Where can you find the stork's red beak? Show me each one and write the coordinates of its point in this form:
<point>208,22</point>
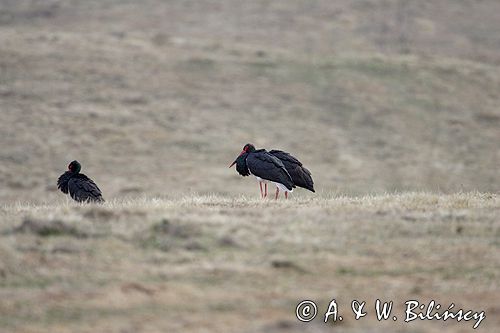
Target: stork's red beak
<point>242,152</point>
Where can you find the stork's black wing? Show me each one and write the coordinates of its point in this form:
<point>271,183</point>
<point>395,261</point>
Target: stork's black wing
<point>285,157</point>
<point>83,189</point>
<point>300,175</point>
<point>266,166</point>
<point>62,181</point>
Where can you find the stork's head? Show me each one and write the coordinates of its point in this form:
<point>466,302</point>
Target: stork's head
<point>248,148</point>
<point>75,167</point>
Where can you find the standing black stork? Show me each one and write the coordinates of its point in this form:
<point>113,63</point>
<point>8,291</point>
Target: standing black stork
<point>80,187</point>
<point>300,175</point>
<point>265,167</point>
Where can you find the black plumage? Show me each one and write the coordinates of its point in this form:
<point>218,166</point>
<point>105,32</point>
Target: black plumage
<point>300,175</point>
<point>265,167</point>
<point>241,165</point>
<point>80,187</point>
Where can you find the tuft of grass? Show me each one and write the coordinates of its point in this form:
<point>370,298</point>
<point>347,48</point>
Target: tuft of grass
<point>47,228</point>
<point>168,235</point>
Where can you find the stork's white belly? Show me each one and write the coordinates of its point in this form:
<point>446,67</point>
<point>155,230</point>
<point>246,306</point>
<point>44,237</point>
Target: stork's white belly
<point>280,186</point>
<point>258,178</point>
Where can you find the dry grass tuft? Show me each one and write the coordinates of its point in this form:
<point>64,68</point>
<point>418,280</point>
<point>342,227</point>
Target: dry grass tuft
<point>46,228</point>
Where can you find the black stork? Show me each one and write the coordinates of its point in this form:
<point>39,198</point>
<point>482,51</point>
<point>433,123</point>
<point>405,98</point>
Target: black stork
<point>300,175</point>
<point>80,187</point>
<point>265,167</point>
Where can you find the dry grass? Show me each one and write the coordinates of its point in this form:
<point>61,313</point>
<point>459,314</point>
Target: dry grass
<point>218,264</point>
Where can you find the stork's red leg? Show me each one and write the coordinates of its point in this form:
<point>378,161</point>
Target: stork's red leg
<point>265,190</point>
<point>286,195</point>
<point>261,193</point>
<point>277,193</point>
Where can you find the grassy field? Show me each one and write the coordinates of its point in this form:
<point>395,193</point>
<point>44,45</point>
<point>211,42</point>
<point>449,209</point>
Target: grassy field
<point>214,264</point>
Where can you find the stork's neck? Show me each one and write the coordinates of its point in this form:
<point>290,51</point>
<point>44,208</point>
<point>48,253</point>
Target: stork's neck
<point>241,165</point>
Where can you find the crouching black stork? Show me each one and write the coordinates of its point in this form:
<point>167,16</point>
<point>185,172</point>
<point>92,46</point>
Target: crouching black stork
<point>80,187</point>
<point>300,175</point>
<point>265,167</point>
